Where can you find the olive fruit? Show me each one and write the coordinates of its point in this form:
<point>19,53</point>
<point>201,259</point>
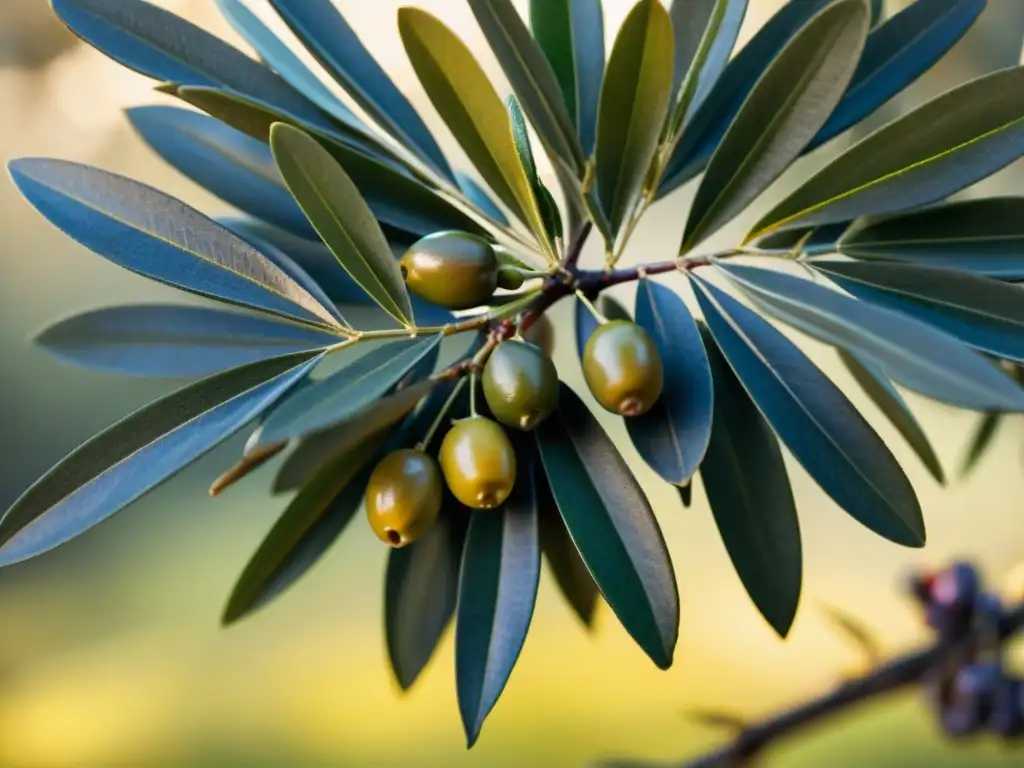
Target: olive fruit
<point>510,278</point>
<point>623,368</point>
<point>520,384</point>
<point>455,270</point>
<point>403,496</point>
<point>478,462</point>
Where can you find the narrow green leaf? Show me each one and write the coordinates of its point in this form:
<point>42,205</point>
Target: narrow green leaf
<point>571,35</point>
<point>811,73</point>
<point>910,352</point>
<point>811,241</point>
<point>395,196</point>
<point>531,78</point>
<point>877,10</point>
<point>325,33</point>
<point>545,202</point>
<point>984,236</point>
<point>420,592</point>
<point>634,101</point>
<point>818,424</point>
<point>164,340</point>
<point>151,234</point>
<point>984,314</point>
<point>464,97</point>
<point>612,524</point>
<point>346,394</point>
<point>883,394</point>
<point>981,441</point>
<point>686,494</point>
<point>129,459</point>
<point>748,489</point>
<point>335,208</point>
<point>309,525</point>
<point>497,591</point>
<point>571,575</point>
<point>941,147</point>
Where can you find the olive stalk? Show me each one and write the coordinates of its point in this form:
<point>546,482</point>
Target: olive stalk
<point>601,319</point>
<point>441,415</point>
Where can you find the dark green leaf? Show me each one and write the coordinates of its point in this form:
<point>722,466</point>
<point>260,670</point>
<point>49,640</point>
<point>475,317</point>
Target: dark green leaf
<point>531,77</point>
<point>981,440</point>
<point>769,132</point>
<point>341,217</point>
<point>889,401</point>
<point>910,352</point>
<point>714,113</point>
<point>985,236</point>
<point>312,522</point>
<point>497,591</point>
<point>346,394</point>
<point>283,61</point>
<point>571,575</point>
<point>396,198</point>
<point>983,313</point>
<point>686,494</point>
<point>672,436</point>
<point>877,7</point>
<point>163,46</point>
<point>705,33</point>
<point>132,457</point>
<point>464,97</point>
<point>173,341</point>
<point>818,424</point>
<point>634,101</point>
<point>236,168</point>
<point>313,257</point>
<point>812,241</point>
<point>161,238</point>
<point>420,592</point>
<point>571,35</point>
<point>324,31</point>
<point>545,202</point>
<point>941,147</point>
<point>897,53</point>
<point>479,198</point>
<point>748,489</point>
<point>613,526</point>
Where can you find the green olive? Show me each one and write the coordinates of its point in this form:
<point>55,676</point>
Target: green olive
<point>403,497</point>
<point>520,384</point>
<point>510,278</point>
<point>623,368</point>
<point>455,270</point>
<point>478,462</point>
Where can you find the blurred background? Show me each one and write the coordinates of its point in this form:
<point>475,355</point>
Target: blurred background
<point>111,652</point>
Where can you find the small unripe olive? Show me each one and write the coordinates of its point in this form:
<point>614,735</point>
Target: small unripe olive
<point>403,496</point>
<point>455,270</point>
<point>510,278</point>
<point>478,462</point>
<point>520,384</point>
<point>623,368</point>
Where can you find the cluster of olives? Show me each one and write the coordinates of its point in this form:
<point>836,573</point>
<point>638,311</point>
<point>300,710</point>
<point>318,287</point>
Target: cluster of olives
<point>973,692</point>
<point>477,462</point>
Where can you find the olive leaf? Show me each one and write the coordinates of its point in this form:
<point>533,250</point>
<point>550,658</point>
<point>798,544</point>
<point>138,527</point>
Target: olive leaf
<point>545,202</point>
<point>981,441</point>
<point>396,197</point>
<point>941,147</point>
<point>531,77</point>
<point>748,489</point>
<point>984,236</point>
<point>768,133</point>
<point>135,455</point>
<point>154,235</point>
<point>612,524</point>
<point>168,341</point>
<point>819,425</point>
<point>464,97</point>
<point>497,591</point>
<point>983,313</point>
<point>478,196</point>
<point>570,33</point>
<point>634,102</point>
<point>341,217</point>
<point>883,394</point>
<point>810,241</point>
<point>326,34</point>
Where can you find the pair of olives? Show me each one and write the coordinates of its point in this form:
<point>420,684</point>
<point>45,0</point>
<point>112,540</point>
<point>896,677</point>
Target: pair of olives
<point>477,460</point>
<point>456,270</point>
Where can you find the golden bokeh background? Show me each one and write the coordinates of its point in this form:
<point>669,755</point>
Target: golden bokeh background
<point>110,648</point>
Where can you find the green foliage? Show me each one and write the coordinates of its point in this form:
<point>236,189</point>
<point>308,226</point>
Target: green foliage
<point>331,203</point>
